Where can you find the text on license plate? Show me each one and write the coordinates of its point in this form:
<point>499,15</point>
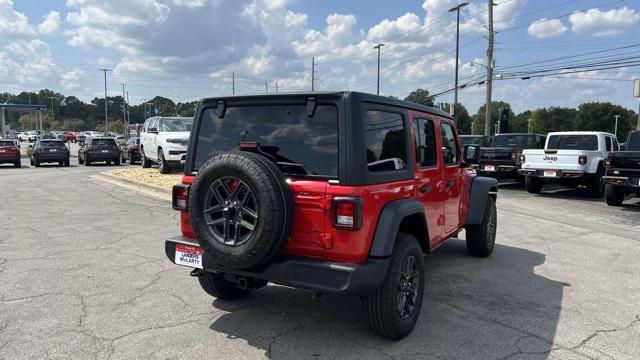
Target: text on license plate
<point>489,168</point>
<point>105,151</point>
<point>551,173</point>
<point>188,256</point>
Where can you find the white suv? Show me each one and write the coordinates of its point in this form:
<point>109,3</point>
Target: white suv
<point>164,140</point>
<point>570,158</point>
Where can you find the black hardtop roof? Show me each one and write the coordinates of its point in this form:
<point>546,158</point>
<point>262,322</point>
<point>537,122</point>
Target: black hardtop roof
<point>519,134</point>
<point>365,97</point>
<point>102,138</point>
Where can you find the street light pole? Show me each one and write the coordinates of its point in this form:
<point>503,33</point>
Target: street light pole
<point>378,47</point>
<point>455,93</point>
<point>615,131</point>
<point>106,116</point>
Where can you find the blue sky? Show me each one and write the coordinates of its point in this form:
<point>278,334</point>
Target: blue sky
<point>187,49</point>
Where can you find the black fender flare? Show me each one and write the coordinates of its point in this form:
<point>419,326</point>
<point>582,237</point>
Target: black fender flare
<point>391,216</point>
<point>480,188</point>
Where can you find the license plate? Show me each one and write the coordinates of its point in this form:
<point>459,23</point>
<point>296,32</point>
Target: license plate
<point>188,255</point>
<point>489,168</point>
<point>550,173</point>
<point>53,150</point>
<point>105,151</point>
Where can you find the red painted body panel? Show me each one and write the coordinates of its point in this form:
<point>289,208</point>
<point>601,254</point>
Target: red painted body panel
<point>313,234</point>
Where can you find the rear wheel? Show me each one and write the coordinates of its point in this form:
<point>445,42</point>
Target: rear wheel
<point>614,195</point>
<point>595,185</point>
<point>87,162</point>
<point>393,309</point>
<point>116,162</point>
<point>481,238</point>
<point>533,185</point>
<point>163,165</point>
<point>17,164</point>
<point>216,285</point>
<point>67,163</point>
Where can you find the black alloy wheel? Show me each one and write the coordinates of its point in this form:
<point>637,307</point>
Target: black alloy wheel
<point>407,293</point>
<point>230,211</point>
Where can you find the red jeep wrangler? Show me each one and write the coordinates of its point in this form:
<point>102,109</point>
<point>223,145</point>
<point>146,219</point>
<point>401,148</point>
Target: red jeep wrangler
<point>339,192</point>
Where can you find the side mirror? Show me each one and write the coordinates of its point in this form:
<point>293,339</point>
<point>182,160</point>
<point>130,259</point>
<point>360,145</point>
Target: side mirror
<point>471,154</point>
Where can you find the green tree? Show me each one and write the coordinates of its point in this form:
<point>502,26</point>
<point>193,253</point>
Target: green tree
<point>496,108</point>
<point>546,120</point>
<point>420,96</point>
<point>463,119</point>
<point>520,122</point>
<point>599,116</point>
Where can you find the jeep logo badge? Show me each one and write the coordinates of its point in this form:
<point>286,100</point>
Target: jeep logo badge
<point>550,158</point>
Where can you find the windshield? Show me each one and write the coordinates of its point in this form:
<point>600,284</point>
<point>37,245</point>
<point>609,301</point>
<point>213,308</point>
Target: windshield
<point>513,141</point>
<point>103,142</point>
<point>573,142</point>
<point>634,142</point>
<point>301,145</point>
<point>173,125</point>
<point>51,144</point>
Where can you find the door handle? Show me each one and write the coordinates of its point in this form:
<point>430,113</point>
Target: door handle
<point>449,184</point>
<point>425,189</point>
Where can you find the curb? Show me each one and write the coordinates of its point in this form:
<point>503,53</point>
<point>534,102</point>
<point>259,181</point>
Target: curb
<point>135,183</point>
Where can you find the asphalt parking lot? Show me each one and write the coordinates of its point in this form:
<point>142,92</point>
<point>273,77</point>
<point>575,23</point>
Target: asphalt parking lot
<point>83,275</point>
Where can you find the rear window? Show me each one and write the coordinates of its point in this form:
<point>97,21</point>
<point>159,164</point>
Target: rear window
<point>471,140</point>
<point>573,142</point>
<point>302,145</point>
<point>174,125</point>
<point>514,141</point>
<point>634,142</point>
<point>52,144</point>
<point>103,142</point>
<point>6,143</point>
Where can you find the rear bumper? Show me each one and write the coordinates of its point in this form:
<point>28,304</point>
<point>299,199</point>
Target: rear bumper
<point>623,181</point>
<point>559,174</point>
<point>51,157</point>
<point>304,273</point>
<point>9,158</point>
<point>100,156</point>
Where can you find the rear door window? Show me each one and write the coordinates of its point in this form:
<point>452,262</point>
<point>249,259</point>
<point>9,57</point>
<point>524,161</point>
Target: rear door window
<point>608,143</point>
<point>634,142</point>
<point>424,134</point>
<point>385,141</point>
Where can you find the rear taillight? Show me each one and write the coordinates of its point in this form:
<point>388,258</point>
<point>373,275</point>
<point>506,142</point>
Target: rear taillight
<point>522,158</point>
<point>582,160</point>
<point>347,213</point>
<point>607,162</point>
<point>180,197</point>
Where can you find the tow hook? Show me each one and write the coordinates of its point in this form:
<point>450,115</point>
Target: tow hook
<point>196,272</point>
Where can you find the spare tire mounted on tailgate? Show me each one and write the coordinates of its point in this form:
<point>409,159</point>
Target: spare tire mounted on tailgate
<point>240,208</point>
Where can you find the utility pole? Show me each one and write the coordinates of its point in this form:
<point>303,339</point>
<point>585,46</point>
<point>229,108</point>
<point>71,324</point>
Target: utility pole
<point>276,85</point>
<point>52,114</point>
<point>378,47</point>
<point>455,92</point>
<point>126,129</point>
<point>313,73</point>
<point>233,83</point>
<point>266,87</point>
<point>529,125</point>
<point>106,115</point>
<point>124,106</point>
<point>487,114</point>
<point>615,131</point>
<point>145,109</point>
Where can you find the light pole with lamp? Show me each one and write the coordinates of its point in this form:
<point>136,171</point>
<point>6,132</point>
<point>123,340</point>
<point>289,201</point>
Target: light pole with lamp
<point>455,92</point>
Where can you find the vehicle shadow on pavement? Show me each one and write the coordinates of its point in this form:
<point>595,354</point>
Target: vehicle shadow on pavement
<point>473,309</point>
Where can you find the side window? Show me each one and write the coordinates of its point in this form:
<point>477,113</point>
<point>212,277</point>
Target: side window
<point>385,141</point>
<point>449,145</point>
<point>608,143</point>
<point>425,139</point>
<point>541,141</point>
<point>616,146</point>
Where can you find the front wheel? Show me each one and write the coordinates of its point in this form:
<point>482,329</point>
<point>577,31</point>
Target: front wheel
<point>393,309</point>
<point>163,165</point>
<point>216,285</point>
<point>533,185</point>
<point>614,195</point>
<point>144,161</point>
<point>481,238</point>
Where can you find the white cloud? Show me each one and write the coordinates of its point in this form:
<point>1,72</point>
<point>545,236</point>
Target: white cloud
<point>504,15</point>
<point>71,80</point>
<point>545,28</point>
<point>31,62</point>
<point>603,23</point>
<point>388,29</point>
<point>13,24</point>
<point>192,4</point>
<point>50,24</point>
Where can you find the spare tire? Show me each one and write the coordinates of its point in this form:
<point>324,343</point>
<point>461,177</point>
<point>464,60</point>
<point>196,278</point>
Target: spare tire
<point>241,209</point>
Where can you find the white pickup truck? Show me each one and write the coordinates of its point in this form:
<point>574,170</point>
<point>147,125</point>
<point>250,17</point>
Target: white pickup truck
<point>570,158</point>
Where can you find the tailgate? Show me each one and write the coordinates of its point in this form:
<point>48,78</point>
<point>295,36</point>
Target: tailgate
<point>554,160</point>
<point>625,163</point>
